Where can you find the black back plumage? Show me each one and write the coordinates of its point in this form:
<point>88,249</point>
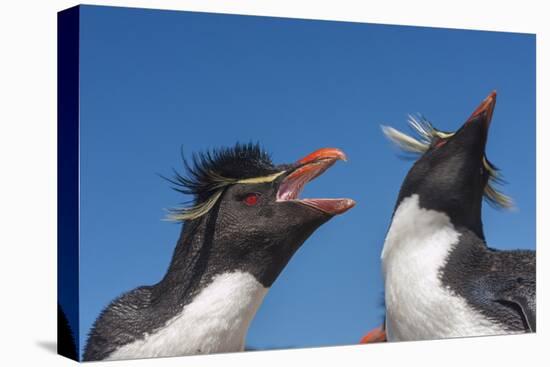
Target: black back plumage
<point>499,284</point>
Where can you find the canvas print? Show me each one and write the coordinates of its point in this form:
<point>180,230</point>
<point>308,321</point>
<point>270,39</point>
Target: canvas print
<point>233,183</point>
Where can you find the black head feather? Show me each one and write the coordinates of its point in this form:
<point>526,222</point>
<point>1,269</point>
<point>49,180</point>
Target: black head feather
<point>211,171</point>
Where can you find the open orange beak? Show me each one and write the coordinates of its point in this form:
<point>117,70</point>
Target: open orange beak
<point>309,168</point>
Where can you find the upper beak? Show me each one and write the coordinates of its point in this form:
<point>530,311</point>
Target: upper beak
<point>484,112</point>
<point>314,164</point>
<point>324,153</point>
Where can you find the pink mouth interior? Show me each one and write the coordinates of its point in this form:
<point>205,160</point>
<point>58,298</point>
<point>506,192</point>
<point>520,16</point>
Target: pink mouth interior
<point>294,183</point>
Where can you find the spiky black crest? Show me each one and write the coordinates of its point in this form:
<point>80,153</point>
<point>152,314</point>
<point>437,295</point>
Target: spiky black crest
<point>426,134</point>
<point>211,171</point>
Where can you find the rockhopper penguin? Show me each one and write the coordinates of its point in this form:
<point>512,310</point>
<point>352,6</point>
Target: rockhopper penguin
<point>243,227</point>
<point>441,278</point>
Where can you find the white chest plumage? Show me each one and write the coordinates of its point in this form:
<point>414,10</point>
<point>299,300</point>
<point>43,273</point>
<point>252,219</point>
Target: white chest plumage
<point>418,305</point>
<point>216,321</point>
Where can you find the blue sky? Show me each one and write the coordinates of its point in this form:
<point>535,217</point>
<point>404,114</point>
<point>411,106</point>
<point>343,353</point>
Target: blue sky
<point>155,81</point>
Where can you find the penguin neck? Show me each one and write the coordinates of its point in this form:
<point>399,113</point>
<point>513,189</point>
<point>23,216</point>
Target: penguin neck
<point>196,262</point>
<point>463,213</point>
<point>415,230</point>
<point>191,267</point>
<point>210,304</point>
<point>420,242</point>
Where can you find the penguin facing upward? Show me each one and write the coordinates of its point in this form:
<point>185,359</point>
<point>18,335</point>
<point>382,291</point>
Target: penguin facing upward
<point>441,279</point>
<point>245,224</point>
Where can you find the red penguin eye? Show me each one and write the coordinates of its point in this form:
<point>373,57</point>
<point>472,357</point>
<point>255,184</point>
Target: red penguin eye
<point>251,199</point>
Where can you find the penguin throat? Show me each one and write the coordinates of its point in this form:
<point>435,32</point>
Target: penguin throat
<point>412,224</point>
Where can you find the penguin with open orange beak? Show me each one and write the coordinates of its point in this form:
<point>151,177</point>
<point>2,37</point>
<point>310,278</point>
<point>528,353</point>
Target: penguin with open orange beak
<point>243,227</point>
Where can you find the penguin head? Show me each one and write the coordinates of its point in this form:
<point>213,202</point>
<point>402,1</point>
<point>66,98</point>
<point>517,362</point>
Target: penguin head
<point>248,209</point>
<point>453,174</point>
